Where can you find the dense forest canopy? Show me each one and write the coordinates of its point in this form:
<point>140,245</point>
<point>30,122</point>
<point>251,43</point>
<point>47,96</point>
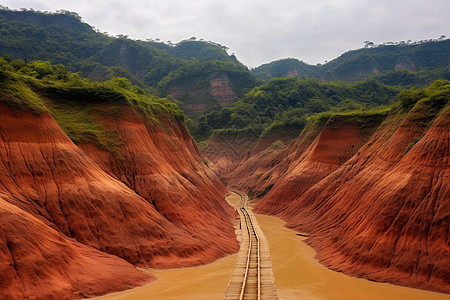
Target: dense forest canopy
<point>62,38</point>
<point>261,100</point>
<point>423,62</point>
<point>288,102</point>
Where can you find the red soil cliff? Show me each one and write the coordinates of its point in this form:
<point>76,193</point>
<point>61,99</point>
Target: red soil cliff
<point>66,198</point>
<point>340,137</point>
<point>372,191</point>
<point>163,165</point>
<point>384,214</point>
<point>380,212</point>
<point>226,151</point>
<point>38,262</point>
<point>217,90</point>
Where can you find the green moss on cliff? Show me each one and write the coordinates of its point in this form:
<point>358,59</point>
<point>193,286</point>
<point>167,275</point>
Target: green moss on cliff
<point>74,101</point>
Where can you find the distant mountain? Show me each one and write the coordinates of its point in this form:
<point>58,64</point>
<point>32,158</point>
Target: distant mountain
<point>287,67</point>
<point>192,48</point>
<point>200,76</point>
<point>407,64</point>
<point>62,38</point>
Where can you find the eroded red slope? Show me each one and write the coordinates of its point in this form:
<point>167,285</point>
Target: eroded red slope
<point>50,177</point>
<point>226,151</point>
<point>384,215</point>
<point>266,163</point>
<point>258,173</point>
<point>311,159</point>
<point>163,165</point>
<point>37,262</point>
<point>46,176</point>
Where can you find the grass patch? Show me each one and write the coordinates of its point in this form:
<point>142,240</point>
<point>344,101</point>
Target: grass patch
<point>74,101</point>
<point>78,123</point>
<point>15,92</point>
<point>278,145</point>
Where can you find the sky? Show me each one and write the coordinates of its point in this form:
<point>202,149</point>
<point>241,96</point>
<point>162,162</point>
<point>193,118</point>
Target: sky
<point>260,31</point>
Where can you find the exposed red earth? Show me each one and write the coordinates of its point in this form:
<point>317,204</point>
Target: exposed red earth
<point>163,165</point>
<point>225,152</point>
<point>229,153</point>
<point>218,89</point>
<point>371,190</point>
<point>38,262</point>
<point>68,201</point>
<point>384,215</point>
<point>312,160</point>
<point>374,198</point>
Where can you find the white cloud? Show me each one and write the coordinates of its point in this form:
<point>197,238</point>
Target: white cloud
<point>262,31</point>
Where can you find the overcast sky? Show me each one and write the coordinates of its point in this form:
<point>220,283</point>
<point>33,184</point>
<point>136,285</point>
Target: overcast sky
<point>260,31</point>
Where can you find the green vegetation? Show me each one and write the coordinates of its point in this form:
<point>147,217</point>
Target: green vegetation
<point>422,105</point>
<point>76,103</point>
<point>283,67</point>
<point>433,98</point>
<point>278,145</point>
<point>406,64</point>
<point>409,78</point>
<point>201,50</point>
<point>194,70</point>
<point>288,102</point>
<point>62,38</point>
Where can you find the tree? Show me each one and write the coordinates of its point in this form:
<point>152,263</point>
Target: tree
<point>368,44</point>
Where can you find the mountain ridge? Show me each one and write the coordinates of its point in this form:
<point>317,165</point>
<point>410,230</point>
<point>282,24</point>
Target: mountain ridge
<point>361,63</point>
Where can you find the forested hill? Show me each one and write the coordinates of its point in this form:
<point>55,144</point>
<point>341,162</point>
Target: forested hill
<point>199,49</point>
<point>200,76</point>
<point>285,104</point>
<point>63,38</point>
<point>397,64</point>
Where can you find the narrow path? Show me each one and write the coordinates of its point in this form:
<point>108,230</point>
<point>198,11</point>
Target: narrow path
<point>252,277</point>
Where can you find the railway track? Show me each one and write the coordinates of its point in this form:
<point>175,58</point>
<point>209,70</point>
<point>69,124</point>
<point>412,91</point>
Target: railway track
<point>251,284</point>
<point>252,277</point>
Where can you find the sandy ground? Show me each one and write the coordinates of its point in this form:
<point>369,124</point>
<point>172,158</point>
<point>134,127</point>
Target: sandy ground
<point>297,275</point>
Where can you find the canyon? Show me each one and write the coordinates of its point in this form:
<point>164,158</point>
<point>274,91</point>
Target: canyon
<point>370,190</point>
<point>107,188</point>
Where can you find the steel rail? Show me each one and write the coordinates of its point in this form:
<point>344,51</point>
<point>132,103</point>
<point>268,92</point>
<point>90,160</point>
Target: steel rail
<point>249,222</point>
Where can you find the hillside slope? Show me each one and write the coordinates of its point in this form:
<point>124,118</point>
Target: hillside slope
<point>404,64</point>
<point>340,137</point>
<point>327,141</point>
<point>200,74</point>
<point>143,194</point>
<point>163,165</point>
<point>382,211</point>
<point>38,262</point>
<point>277,110</point>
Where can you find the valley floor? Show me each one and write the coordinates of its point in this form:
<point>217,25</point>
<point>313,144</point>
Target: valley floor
<point>298,275</point>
